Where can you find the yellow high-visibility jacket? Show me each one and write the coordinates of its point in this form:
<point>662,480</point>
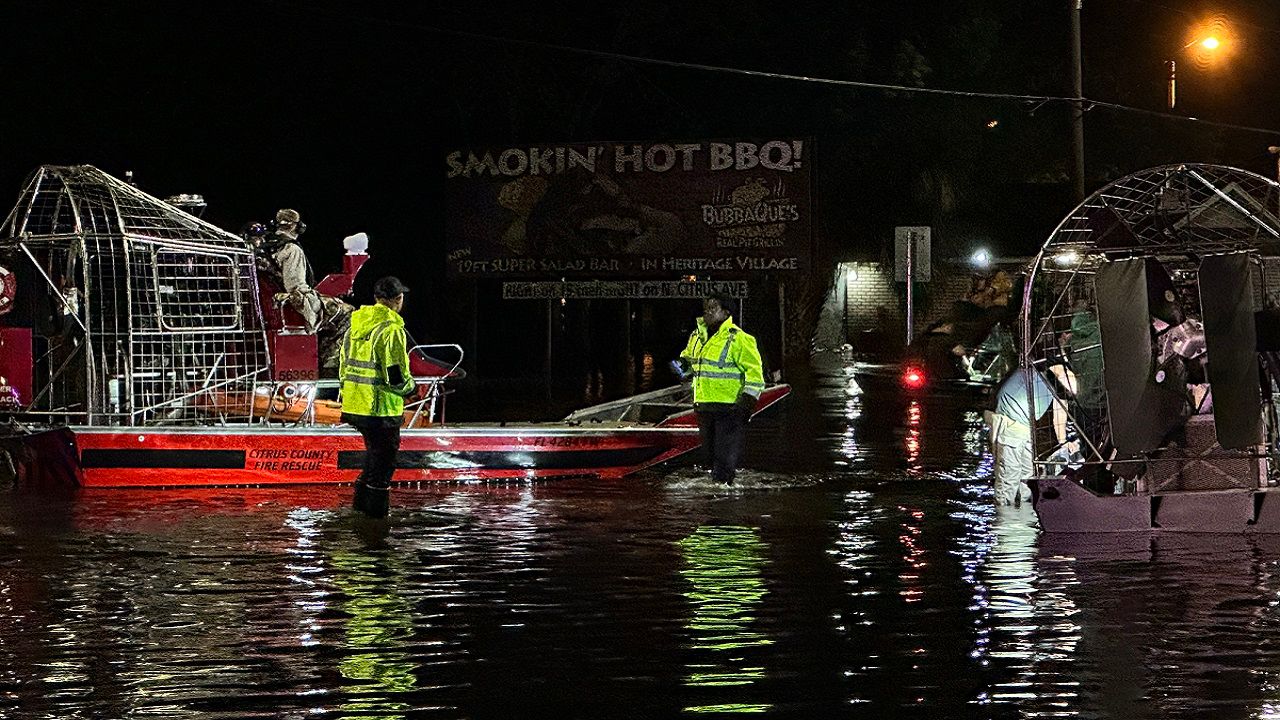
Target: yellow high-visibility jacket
<point>725,365</point>
<point>374,343</point>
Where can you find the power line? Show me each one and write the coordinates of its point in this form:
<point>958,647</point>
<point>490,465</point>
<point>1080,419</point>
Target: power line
<point>859,84</point>
<point>1039,99</point>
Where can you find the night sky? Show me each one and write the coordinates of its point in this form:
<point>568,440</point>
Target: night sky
<point>345,111</point>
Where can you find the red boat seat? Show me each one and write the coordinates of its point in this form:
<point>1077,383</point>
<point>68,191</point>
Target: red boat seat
<point>422,365</point>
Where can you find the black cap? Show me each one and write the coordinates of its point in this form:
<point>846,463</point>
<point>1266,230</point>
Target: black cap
<point>388,287</point>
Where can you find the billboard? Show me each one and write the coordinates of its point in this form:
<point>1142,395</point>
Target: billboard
<point>629,210</point>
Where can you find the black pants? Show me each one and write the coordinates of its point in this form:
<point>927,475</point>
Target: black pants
<point>381,444</point>
<point>724,432</point>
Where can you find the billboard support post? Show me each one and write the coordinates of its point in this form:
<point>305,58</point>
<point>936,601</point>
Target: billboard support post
<point>911,278</point>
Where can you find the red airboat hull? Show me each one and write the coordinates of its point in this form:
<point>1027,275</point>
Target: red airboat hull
<point>275,455</point>
<point>166,457</point>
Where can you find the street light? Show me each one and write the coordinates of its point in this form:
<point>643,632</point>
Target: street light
<point>981,259</point>
<point>1207,41</point>
<point>1211,36</point>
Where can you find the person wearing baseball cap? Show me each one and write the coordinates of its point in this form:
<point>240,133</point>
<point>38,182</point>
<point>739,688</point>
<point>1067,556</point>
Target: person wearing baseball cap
<point>374,368</point>
<point>389,288</point>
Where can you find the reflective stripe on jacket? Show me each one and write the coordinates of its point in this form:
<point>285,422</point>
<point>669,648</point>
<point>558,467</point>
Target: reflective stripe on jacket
<point>374,343</point>
<point>725,365</point>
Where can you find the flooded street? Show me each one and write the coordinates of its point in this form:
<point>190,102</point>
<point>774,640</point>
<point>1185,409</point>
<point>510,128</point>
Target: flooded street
<point>857,570</point>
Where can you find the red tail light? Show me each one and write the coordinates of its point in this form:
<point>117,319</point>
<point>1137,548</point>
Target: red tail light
<point>912,378</point>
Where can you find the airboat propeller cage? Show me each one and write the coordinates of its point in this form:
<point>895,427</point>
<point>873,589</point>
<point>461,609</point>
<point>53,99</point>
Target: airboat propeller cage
<point>144,306</point>
<point>1122,289</point>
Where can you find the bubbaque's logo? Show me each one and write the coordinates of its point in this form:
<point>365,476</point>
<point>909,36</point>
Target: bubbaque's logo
<point>755,216</point>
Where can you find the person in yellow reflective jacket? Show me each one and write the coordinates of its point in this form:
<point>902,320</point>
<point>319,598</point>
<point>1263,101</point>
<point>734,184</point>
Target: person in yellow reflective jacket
<point>728,378</point>
<point>374,368</point>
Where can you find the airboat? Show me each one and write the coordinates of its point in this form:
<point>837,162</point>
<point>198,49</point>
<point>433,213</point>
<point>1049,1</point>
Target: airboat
<point>1159,293</point>
<point>141,346</point>
<point>966,378</point>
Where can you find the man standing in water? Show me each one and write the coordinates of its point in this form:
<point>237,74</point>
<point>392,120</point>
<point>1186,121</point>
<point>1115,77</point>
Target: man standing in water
<point>728,378</point>
<point>374,367</point>
<point>1012,423</point>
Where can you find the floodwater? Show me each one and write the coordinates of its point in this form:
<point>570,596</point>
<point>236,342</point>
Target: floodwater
<point>858,570</point>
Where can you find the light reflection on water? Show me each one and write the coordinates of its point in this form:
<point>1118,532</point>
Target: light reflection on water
<point>912,443</point>
<point>846,573</point>
<point>726,586</point>
<point>377,667</point>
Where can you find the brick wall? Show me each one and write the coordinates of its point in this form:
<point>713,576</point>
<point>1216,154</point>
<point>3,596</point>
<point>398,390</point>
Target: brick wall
<point>868,288</point>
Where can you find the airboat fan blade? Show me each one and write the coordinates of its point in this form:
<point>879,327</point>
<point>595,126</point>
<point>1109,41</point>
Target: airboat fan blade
<point>1143,411</point>
<point>1125,322</point>
<point>1231,339</point>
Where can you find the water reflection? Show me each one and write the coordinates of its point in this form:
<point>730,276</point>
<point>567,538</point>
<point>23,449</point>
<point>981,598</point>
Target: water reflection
<point>1191,612</point>
<point>855,547</point>
<point>306,564</point>
<point>912,441</point>
<point>378,629</point>
<point>914,561</point>
<point>724,569</point>
<point>974,457</point>
<point>850,449</point>
<point>1026,620</point>
<point>855,552</point>
<point>868,592</point>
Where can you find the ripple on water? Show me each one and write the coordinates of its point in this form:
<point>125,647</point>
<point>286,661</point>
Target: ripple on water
<point>696,479</point>
<point>857,563</point>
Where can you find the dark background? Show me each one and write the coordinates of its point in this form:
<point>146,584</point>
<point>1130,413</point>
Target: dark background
<point>345,112</point>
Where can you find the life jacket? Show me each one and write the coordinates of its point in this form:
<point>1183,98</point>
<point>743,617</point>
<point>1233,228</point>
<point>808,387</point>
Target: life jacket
<point>374,343</point>
<point>725,365</point>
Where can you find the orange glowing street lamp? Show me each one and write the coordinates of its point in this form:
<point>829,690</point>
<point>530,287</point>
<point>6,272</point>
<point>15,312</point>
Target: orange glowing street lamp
<point>1208,40</point>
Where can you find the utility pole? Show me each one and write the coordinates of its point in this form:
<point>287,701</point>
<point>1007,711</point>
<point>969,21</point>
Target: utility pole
<point>1077,103</point>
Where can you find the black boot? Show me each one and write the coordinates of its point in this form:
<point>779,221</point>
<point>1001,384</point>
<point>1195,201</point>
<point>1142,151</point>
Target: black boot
<point>360,497</point>
<point>377,502</point>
